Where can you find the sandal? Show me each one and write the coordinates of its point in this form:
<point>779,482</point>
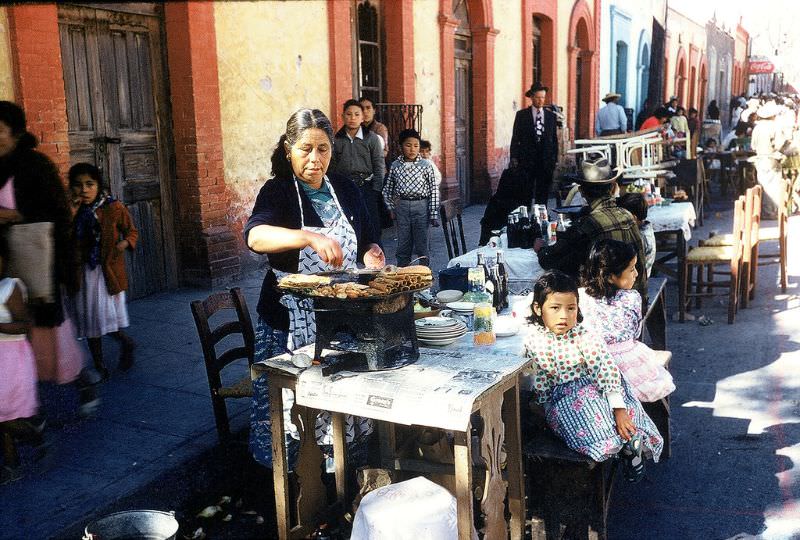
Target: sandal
<point>632,460</point>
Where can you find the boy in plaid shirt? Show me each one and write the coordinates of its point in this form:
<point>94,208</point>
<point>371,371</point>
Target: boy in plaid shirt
<point>412,197</point>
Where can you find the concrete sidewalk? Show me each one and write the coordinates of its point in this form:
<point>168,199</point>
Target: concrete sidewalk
<point>153,418</point>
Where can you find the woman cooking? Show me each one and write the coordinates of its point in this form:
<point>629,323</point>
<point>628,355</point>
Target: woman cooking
<point>305,222</point>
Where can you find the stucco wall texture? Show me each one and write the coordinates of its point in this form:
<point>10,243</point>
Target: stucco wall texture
<point>6,80</point>
<point>507,73</point>
<point>265,74</point>
<point>428,70</point>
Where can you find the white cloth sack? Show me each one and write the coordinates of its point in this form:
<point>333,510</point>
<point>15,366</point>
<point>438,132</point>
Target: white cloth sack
<point>31,252</point>
<point>416,509</point>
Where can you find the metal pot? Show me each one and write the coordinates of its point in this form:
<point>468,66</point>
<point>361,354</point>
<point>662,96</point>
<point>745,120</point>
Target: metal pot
<point>133,525</point>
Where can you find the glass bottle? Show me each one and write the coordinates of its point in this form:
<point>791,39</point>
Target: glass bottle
<point>502,273</point>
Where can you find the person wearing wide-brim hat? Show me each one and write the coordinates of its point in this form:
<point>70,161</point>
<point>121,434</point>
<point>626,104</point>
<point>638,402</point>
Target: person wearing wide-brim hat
<point>604,219</point>
<point>611,118</point>
<point>766,141</point>
<point>534,145</point>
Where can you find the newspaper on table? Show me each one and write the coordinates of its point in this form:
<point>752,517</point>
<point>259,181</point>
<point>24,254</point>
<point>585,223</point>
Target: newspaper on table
<point>438,390</point>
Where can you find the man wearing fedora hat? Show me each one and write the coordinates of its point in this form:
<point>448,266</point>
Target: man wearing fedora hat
<point>601,219</point>
<point>611,119</point>
<point>534,145</point>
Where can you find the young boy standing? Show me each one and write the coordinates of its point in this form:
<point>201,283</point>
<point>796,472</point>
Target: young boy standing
<point>426,151</point>
<point>412,197</point>
<point>358,155</point>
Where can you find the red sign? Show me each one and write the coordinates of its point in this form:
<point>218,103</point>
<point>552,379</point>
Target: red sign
<point>761,66</point>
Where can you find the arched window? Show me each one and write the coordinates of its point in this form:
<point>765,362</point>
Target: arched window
<point>536,46</point>
<point>369,52</point>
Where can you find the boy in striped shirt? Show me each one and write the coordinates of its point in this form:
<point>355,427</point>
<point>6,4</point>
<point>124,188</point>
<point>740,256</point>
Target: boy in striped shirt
<point>412,197</point>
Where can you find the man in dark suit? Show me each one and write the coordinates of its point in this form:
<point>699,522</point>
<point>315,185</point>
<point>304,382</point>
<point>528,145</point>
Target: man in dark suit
<point>534,144</point>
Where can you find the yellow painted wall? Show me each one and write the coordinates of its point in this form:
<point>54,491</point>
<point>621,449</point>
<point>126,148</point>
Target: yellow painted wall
<point>427,70</point>
<point>682,32</point>
<point>507,69</point>
<point>6,80</point>
<point>273,60</point>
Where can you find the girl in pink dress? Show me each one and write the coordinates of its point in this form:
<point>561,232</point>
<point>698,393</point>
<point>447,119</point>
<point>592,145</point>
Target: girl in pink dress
<point>18,398</point>
<point>612,308</point>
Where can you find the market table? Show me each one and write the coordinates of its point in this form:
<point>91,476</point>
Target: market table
<point>522,265</point>
<point>672,225</point>
<point>676,219</point>
<point>443,389</point>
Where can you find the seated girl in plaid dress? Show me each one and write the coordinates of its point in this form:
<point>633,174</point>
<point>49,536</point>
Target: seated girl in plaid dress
<point>586,401</point>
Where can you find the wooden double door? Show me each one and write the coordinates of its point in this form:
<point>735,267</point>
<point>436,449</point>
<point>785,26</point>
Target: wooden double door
<point>118,119</point>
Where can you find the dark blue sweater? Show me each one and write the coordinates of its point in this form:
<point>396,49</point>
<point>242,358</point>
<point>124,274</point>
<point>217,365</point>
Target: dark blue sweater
<point>276,205</point>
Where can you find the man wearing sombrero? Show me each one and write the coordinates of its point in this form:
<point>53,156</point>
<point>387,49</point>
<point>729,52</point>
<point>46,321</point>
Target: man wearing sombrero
<point>611,119</point>
<point>534,145</point>
<point>603,219</point>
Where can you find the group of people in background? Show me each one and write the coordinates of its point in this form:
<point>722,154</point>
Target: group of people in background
<point>83,233</point>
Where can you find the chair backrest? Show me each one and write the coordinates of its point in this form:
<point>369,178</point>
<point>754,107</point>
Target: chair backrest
<point>203,310</point>
<point>453,227</point>
<point>752,216</point>
<point>738,232</point>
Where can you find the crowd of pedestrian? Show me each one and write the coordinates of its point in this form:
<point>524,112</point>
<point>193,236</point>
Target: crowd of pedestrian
<point>62,277</point>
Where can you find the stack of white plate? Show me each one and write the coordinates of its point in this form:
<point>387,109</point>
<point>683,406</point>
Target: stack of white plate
<point>439,331</point>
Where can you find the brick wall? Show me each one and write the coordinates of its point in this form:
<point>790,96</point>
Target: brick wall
<point>39,79</point>
<point>399,25</point>
<point>340,43</point>
<point>207,246</point>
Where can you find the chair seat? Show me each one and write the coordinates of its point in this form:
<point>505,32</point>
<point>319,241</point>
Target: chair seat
<point>241,389</point>
<point>764,234</point>
<point>708,254</point>
<point>769,233</point>
<point>719,240</point>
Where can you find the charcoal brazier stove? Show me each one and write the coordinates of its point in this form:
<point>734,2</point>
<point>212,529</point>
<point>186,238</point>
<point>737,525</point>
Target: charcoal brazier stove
<point>372,333</point>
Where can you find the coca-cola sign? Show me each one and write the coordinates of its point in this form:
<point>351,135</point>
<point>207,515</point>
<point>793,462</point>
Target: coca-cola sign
<point>761,66</point>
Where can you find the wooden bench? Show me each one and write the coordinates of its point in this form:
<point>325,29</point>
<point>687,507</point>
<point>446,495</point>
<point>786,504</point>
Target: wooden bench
<point>568,493</point>
<point>655,316</point>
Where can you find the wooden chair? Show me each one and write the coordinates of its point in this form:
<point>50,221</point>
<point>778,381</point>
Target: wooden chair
<point>779,233</point>
<point>705,259</point>
<point>752,225</point>
<point>203,310</point>
<point>453,227</point>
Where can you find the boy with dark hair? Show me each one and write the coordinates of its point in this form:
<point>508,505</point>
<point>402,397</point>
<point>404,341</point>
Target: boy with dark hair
<point>412,198</point>
<point>426,151</point>
<point>358,155</point>
<point>373,125</point>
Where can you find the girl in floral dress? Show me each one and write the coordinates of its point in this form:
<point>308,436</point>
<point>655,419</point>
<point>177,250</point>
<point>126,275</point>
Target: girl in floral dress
<point>612,308</point>
<point>586,401</point>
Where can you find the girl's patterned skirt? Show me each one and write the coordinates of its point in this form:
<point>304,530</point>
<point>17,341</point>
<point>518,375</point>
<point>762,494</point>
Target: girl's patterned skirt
<point>579,413</point>
<point>269,343</point>
<point>649,380</point>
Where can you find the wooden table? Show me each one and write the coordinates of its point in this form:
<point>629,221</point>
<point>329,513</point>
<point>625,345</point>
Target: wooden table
<point>672,226</point>
<point>497,404</point>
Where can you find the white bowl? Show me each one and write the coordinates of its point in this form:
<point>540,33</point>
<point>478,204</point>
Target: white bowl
<point>449,295</point>
<point>464,307</point>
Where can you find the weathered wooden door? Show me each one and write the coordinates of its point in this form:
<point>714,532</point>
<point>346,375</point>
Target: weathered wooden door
<point>117,117</point>
<point>463,123</point>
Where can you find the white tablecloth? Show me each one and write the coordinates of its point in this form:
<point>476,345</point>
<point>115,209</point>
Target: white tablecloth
<point>522,266</point>
<point>672,218</point>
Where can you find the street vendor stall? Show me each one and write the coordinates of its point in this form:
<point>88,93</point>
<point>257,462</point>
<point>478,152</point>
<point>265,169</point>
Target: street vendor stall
<point>444,388</point>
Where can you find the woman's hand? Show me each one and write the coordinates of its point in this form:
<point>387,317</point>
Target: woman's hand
<point>7,215</point>
<point>122,245</point>
<point>327,248</point>
<point>625,426</point>
<point>374,258</point>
